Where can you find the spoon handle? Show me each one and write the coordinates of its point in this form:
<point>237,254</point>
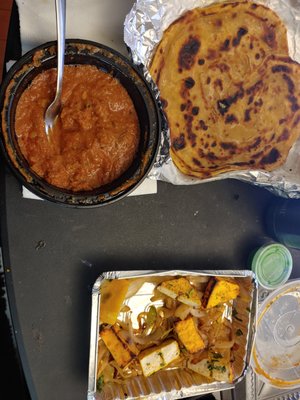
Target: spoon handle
<point>60,6</point>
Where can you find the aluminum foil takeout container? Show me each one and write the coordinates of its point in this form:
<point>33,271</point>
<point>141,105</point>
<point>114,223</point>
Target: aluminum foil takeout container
<point>169,383</point>
<point>143,29</point>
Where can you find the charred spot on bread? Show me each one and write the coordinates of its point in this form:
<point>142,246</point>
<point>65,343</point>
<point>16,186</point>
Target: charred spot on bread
<point>188,53</point>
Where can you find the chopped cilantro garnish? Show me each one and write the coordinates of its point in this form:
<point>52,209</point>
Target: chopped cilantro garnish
<point>217,355</point>
<point>220,368</point>
<point>100,383</point>
<point>211,366</point>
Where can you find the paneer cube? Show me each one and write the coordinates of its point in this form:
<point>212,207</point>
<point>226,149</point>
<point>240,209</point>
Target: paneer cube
<point>182,290</point>
<point>130,345</point>
<point>112,297</point>
<point>223,291</point>
<point>116,348</point>
<point>215,365</point>
<point>189,335</point>
<point>201,367</point>
<point>220,373</point>
<point>158,357</point>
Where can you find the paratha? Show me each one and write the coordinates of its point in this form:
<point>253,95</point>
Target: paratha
<point>230,92</point>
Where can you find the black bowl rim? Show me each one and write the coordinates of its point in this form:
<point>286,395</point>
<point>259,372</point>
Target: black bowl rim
<point>138,69</point>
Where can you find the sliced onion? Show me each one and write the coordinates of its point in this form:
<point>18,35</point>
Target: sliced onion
<point>141,319</point>
<point>123,324</point>
<point>108,373</point>
<point>223,344</point>
<point>195,280</point>
<point>158,296</point>
<point>149,321</point>
<point>124,335</point>
<point>197,357</point>
<point>134,286</point>
<point>182,311</point>
<point>204,338</point>
<point>150,339</point>
<point>153,338</point>
<point>128,371</point>
<point>125,338</point>
<point>227,323</point>
<point>125,309</point>
<point>103,357</point>
<point>178,363</point>
<point>244,294</point>
<point>119,381</point>
<point>165,312</point>
<point>102,350</point>
<point>170,303</point>
<point>166,333</point>
<point>101,367</point>
<point>197,313</point>
<point>119,369</point>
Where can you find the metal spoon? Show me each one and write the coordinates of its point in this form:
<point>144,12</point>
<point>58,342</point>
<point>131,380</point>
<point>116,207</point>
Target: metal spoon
<point>54,108</point>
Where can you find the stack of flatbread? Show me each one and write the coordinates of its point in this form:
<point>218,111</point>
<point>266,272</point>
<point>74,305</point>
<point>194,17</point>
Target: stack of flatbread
<point>230,91</point>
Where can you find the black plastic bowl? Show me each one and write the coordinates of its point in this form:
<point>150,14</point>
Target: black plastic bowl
<point>81,52</point>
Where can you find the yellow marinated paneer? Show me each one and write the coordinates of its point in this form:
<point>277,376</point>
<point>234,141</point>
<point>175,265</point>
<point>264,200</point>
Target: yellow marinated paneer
<point>112,297</point>
<point>131,346</point>
<point>189,335</point>
<point>223,291</point>
<point>158,357</point>
<point>182,290</point>
<point>116,348</point>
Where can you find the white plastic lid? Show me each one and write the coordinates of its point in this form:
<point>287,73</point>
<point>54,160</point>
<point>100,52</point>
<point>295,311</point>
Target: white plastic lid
<point>276,352</point>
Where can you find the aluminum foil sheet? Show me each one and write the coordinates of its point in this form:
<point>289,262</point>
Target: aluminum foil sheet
<point>173,383</point>
<point>143,29</point>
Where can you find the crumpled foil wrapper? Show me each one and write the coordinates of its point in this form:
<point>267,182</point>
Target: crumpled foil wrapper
<point>143,30</point>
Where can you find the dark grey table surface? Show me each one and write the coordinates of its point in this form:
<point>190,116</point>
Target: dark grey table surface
<point>53,255</point>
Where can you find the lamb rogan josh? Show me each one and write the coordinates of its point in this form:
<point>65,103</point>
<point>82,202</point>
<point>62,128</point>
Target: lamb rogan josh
<point>95,138</point>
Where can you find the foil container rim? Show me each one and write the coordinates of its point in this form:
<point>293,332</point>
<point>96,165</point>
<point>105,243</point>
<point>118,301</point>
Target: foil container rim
<point>165,272</point>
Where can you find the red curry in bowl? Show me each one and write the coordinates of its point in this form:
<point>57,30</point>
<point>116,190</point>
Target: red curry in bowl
<point>95,137</point>
<point>107,136</point>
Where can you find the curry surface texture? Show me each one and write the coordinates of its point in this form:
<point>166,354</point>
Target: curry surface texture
<point>230,92</point>
<point>96,135</point>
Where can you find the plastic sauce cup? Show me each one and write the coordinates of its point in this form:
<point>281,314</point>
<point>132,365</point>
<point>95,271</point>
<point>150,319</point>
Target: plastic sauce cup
<point>272,265</point>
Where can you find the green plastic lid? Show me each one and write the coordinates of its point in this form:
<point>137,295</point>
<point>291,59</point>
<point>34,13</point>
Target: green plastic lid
<point>272,265</point>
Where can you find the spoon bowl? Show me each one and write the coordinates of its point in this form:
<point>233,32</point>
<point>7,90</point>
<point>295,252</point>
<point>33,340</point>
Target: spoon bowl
<point>51,115</point>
